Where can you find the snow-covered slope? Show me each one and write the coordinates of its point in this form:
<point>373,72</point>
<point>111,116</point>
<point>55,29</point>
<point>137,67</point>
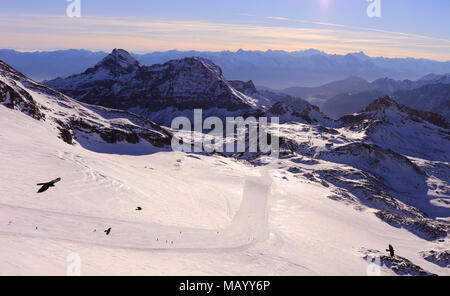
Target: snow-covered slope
<point>408,131</point>
<point>389,158</point>
<point>188,225</point>
<point>204,214</point>
<point>77,123</point>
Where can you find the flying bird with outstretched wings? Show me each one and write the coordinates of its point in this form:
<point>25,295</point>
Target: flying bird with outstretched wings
<point>46,186</point>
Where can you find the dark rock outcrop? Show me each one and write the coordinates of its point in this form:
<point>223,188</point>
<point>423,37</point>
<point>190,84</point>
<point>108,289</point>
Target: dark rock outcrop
<point>71,118</point>
<point>426,228</point>
<point>398,264</point>
<point>441,258</point>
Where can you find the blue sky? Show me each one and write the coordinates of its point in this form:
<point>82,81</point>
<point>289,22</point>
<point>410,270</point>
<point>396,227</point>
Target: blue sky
<point>416,28</point>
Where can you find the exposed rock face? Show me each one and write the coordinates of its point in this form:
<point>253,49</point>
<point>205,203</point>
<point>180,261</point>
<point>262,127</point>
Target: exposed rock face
<point>384,107</point>
<point>299,111</point>
<point>120,82</point>
<point>441,258</point>
<point>424,227</point>
<point>118,63</point>
<point>20,99</point>
<point>73,119</point>
<point>403,266</point>
<point>397,264</point>
<point>385,103</point>
<point>247,88</point>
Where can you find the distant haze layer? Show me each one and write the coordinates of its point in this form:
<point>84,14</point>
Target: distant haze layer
<point>274,69</point>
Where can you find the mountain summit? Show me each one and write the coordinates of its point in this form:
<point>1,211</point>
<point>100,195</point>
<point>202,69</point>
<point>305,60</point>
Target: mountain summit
<point>160,92</point>
<point>119,59</point>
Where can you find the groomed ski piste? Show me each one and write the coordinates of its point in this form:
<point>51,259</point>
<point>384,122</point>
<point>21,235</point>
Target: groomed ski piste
<point>201,215</point>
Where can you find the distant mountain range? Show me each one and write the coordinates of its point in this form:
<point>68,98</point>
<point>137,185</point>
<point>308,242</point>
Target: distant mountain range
<point>342,97</point>
<point>275,69</point>
<point>164,91</point>
<point>50,64</point>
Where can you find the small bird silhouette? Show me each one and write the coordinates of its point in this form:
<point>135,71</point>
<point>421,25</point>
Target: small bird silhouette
<point>46,186</point>
<point>138,209</point>
<point>107,231</point>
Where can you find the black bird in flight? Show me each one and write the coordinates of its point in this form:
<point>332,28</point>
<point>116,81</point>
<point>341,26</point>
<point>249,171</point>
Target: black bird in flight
<point>138,209</point>
<point>391,251</point>
<point>107,231</point>
<point>46,186</point>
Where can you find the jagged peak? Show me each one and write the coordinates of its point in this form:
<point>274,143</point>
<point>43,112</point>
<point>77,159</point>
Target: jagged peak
<point>244,86</point>
<point>7,69</point>
<point>384,103</point>
<point>119,58</point>
<point>195,61</point>
<point>381,104</point>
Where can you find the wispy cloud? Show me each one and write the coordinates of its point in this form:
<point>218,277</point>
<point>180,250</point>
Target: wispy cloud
<point>27,32</point>
<point>278,18</point>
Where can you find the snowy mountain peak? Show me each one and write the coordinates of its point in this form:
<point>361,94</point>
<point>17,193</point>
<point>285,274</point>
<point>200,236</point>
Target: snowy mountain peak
<point>196,64</point>
<point>159,92</point>
<point>395,126</point>
<point>380,107</point>
<point>119,58</point>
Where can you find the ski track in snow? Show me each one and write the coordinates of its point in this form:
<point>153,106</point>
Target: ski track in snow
<point>142,236</point>
<point>135,235</point>
<point>305,234</point>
